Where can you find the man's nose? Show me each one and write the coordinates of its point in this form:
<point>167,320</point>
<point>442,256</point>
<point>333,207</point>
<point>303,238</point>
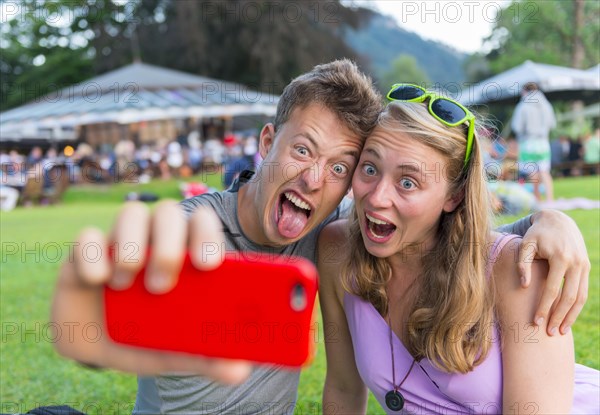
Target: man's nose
<point>314,176</point>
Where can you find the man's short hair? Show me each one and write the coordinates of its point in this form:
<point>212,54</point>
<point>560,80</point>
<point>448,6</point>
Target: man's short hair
<point>339,86</point>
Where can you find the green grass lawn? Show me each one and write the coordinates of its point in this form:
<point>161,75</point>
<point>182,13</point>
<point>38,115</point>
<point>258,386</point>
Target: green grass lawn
<point>35,242</point>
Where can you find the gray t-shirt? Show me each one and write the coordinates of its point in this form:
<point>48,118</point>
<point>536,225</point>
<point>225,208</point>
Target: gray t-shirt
<point>269,389</point>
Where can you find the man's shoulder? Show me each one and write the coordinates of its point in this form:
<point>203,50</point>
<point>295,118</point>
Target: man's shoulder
<point>214,200</point>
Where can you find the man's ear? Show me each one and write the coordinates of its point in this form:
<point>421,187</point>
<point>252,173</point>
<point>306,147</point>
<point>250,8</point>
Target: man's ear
<point>266,139</point>
<point>454,200</point>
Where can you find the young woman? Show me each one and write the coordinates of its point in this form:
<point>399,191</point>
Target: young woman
<point>427,310</point>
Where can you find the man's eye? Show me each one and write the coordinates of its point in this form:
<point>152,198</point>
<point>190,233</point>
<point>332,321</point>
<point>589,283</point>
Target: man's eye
<point>369,170</point>
<point>302,151</point>
<point>339,169</point>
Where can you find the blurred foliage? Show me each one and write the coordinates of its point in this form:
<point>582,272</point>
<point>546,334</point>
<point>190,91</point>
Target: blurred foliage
<point>382,40</point>
<point>48,45</point>
<point>544,31</point>
<point>403,69</point>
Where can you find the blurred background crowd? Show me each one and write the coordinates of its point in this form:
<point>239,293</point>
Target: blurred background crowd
<point>43,174</point>
<point>130,91</point>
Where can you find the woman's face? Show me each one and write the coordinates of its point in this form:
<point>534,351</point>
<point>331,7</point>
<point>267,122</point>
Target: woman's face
<point>400,191</point>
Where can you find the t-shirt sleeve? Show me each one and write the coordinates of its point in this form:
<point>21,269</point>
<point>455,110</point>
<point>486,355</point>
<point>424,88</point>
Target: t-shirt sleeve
<point>191,204</point>
<point>519,227</point>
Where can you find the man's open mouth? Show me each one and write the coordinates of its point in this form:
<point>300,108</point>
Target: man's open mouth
<point>292,214</point>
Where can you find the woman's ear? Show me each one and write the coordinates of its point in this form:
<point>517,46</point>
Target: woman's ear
<point>453,201</point>
<point>267,136</point>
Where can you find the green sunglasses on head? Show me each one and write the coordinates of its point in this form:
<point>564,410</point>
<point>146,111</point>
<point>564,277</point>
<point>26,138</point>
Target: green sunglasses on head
<point>445,110</point>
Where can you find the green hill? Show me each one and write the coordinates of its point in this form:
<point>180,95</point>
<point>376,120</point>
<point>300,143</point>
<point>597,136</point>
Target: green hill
<point>381,40</point>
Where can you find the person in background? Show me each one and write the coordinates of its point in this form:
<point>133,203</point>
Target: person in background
<point>251,150</point>
<point>195,154</point>
<point>576,156</point>
<point>9,196</point>
<point>125,168</point>
<point>532,121</point>
<point>559,149</point>
<point>591,146</point>
<point>47,164</point>
<point>35,156</point>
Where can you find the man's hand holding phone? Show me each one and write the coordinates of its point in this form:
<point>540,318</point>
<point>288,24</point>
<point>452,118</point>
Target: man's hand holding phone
<point>78,301</point>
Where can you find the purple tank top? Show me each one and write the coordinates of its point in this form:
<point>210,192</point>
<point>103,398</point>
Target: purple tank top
<point>427,389</point>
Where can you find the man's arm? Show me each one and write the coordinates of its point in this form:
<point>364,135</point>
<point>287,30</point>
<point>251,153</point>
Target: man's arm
<point>554,236</point>
<point>517,120</point>
<point>519,227</point>
<point>530,383</point>
<point>78,298</point>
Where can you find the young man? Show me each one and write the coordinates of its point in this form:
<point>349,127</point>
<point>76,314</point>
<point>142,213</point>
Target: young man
<point>310,153</point>
<point>532,122</point>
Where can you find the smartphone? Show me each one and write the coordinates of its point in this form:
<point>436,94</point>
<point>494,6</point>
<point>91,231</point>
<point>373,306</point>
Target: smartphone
<point>255,307</point>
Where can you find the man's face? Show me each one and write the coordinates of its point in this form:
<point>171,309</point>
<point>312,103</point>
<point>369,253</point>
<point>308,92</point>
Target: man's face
<point>307,170</point>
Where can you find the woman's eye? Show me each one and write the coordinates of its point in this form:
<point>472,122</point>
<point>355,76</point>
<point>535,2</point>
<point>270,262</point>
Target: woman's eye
<point>339,169</point>
<point>369,170</point>
<point>407,184</point>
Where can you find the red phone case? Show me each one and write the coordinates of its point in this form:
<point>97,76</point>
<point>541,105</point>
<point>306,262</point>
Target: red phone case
<point>250,308</point>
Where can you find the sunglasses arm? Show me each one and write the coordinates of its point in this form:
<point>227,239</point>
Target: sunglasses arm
<point>470,138</point>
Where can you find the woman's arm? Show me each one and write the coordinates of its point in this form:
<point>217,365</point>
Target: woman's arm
<point>537,368</point>
<point>344,391</point>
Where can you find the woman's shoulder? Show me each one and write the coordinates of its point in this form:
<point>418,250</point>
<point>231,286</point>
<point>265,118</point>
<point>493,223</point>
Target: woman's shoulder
<point>503,249</point>
<point>332,255</point>
<point>338,227</point>
<point>503,255</point>
<point>506,261</point>
<point>332,241</point>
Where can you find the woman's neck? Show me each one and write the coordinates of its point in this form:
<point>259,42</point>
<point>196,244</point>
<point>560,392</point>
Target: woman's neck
<point>407,265</point>
<point>403,289</point>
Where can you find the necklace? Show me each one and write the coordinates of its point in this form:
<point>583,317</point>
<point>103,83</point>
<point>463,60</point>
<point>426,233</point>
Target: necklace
<point>394,400</point>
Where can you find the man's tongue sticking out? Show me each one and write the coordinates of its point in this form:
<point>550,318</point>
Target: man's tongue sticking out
<point>292,219</point>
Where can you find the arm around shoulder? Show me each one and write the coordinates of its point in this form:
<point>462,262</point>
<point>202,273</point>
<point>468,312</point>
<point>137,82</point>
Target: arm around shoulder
<point>537,368</point>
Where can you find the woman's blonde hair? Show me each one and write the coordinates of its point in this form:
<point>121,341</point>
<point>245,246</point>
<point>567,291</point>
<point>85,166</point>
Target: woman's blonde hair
<point>451,318</point>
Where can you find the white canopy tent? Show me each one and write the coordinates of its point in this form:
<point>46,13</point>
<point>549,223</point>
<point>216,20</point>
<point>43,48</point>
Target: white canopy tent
<point>556,82</point>
<point>134,93</point>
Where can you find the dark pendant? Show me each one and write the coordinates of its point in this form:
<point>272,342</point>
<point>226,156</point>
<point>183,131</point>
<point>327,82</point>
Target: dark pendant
<point>394,400</point>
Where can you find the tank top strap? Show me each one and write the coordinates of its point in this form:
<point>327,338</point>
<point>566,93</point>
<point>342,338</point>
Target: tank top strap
<point>494,253</point>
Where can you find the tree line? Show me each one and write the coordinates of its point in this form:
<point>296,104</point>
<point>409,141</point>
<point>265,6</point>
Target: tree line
<point>262,44</point>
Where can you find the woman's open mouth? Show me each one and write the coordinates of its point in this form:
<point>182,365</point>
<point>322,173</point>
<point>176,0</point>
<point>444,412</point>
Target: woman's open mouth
<point>378,230</point>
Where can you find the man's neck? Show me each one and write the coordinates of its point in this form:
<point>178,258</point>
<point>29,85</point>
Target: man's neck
<point>248,215</point>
